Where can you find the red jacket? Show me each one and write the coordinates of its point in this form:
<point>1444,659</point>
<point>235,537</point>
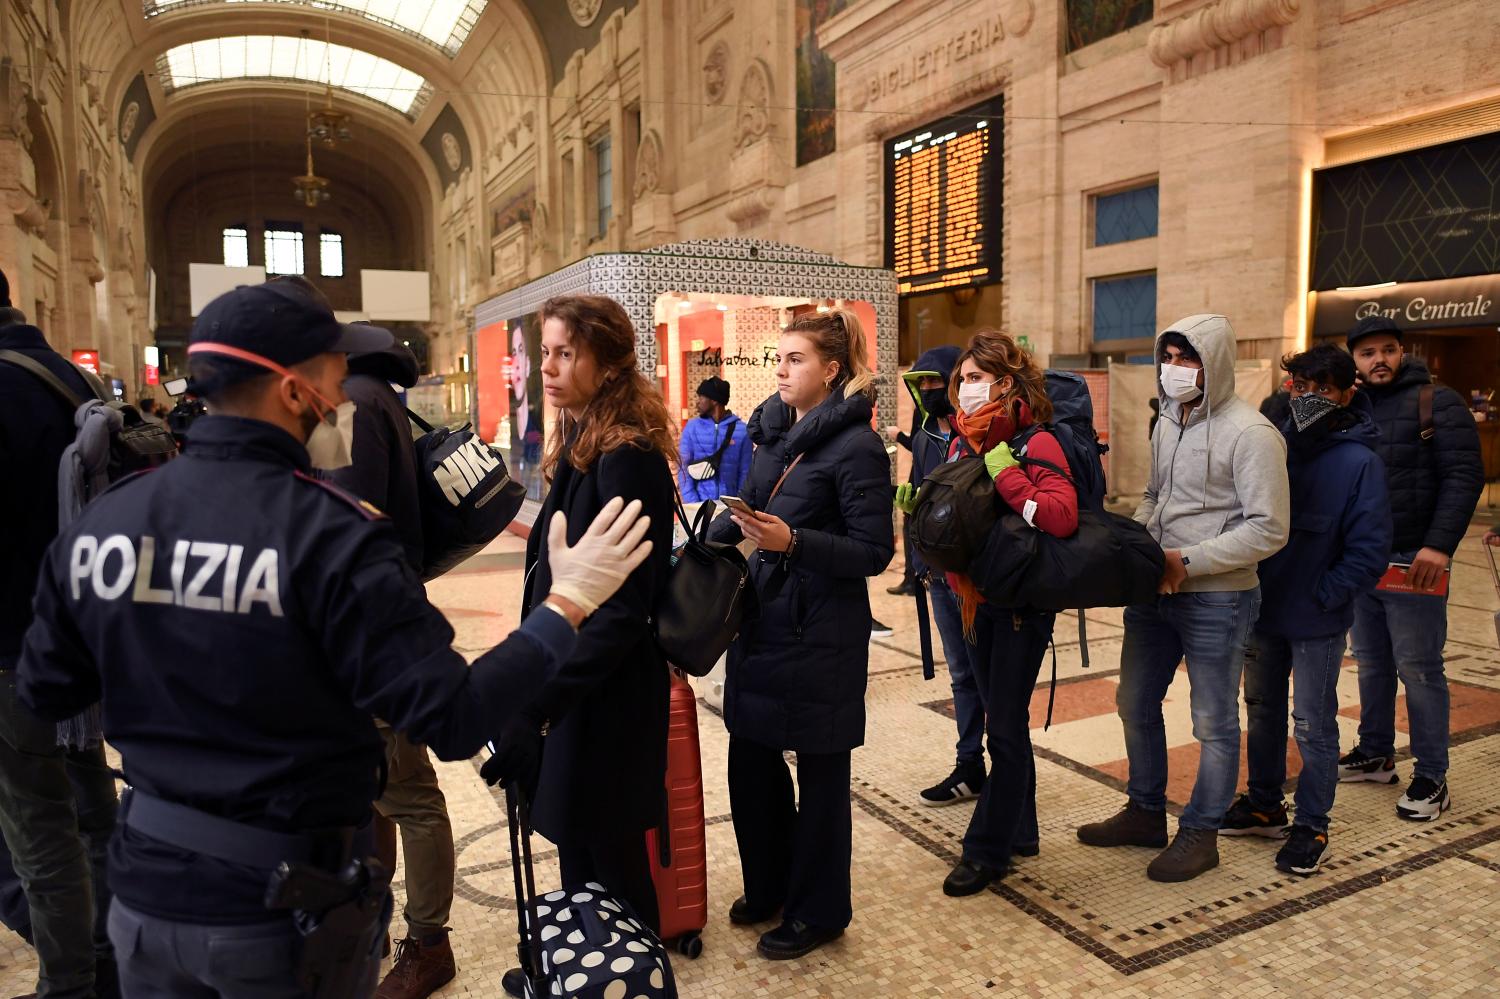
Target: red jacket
<point>1020,486</point>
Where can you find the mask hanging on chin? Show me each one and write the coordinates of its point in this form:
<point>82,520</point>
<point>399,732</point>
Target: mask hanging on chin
<point>973,396</point>
<point>330,446</point>
<point>1179,383</point>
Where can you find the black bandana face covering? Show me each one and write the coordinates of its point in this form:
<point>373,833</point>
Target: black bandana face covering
<point>1309,409</point>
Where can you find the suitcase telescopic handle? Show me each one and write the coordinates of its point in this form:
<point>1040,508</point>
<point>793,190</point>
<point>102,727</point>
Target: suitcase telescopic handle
<point>518,815</point>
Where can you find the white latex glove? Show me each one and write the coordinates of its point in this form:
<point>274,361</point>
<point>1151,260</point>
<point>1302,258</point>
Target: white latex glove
<point>591,571</point>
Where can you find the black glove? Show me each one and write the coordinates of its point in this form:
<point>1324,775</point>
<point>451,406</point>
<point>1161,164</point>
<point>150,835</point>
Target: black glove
<point>517,760</point>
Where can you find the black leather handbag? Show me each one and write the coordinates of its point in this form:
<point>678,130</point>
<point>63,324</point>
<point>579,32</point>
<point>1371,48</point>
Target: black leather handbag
<point>707,599</point>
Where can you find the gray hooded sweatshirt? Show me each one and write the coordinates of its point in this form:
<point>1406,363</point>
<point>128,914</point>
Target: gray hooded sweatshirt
<point>1218,488</point>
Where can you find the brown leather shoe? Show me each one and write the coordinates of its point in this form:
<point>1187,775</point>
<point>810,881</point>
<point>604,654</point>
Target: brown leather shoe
<point>420,969</point>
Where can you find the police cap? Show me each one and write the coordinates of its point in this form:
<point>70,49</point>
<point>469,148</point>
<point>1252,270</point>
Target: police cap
<point>282,322</point>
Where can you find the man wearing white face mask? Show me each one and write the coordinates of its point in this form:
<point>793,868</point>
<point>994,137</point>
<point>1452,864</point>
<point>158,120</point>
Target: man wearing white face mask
<point>1218,503</point>
<point>243,621</point>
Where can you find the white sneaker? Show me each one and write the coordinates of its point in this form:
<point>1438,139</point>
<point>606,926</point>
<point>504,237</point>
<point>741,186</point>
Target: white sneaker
<point>1425,799</point>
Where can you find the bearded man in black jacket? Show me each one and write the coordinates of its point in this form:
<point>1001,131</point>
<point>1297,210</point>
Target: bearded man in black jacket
<point>1433,467</point>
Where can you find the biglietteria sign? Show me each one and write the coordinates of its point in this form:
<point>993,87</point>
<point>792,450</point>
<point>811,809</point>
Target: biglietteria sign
<point>1414,305</point>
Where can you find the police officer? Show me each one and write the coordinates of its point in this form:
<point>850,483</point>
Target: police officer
<point>243,621</point>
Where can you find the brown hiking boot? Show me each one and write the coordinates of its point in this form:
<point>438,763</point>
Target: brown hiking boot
<point>1130,826</point>
<point>1192,852</point>
<point>420,969</point>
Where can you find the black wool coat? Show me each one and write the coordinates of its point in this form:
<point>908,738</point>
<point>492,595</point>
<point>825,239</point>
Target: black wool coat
<point>797,675</point>
<point>605,758</point>
<point>1434,484</point>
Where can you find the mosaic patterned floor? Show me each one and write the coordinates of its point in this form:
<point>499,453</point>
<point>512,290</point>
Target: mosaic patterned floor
<point>1400,908</point>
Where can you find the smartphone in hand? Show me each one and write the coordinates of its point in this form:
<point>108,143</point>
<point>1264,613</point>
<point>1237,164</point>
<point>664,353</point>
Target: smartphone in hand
<point>738,505</point>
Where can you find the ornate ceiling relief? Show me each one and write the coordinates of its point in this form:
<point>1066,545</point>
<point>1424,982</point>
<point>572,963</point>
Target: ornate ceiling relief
<point>1227,31</point>
<point>584,11</point>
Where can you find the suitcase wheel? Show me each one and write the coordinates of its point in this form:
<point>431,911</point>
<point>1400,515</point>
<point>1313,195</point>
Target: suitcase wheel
<point>690,945</point>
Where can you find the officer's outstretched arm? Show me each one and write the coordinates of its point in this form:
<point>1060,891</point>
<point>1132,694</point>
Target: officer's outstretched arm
<point>56,676</point>
<point>393,649</point>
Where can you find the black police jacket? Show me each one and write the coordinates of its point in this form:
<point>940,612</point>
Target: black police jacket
<point>243,622</point>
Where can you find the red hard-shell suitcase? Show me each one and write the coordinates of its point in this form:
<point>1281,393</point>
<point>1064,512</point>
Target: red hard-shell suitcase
<point>679,850</point>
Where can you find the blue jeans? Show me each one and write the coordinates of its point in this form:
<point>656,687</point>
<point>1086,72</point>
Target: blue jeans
<point>968,703</point>
<point>1312,664</point>
<point>1208,629</point>
<point>1402,634</point>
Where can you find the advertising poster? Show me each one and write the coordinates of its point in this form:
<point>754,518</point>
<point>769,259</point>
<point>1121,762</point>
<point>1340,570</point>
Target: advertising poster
<point>815,82</point>
<point>524,385</point>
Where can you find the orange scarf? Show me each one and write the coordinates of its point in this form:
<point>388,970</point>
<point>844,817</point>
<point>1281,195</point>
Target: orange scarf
<point>982,429</point>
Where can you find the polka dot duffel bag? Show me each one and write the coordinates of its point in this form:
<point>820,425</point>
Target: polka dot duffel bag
<point>581,942</point>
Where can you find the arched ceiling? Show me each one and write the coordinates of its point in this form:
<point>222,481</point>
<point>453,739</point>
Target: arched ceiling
<point>266,57</point>
<point>443,23</point>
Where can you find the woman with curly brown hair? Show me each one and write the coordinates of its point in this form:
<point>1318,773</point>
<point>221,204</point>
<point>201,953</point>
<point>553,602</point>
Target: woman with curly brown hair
<point>1000,397</point>
<point>600,785</point>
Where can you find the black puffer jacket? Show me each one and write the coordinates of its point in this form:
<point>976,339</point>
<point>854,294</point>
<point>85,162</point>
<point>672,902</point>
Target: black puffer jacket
<point>1434,484</point>
<point>796,677</point>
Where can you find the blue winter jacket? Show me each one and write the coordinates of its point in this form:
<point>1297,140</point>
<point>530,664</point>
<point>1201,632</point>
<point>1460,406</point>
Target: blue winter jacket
<point>1341,527</point>
<point>700,439</point>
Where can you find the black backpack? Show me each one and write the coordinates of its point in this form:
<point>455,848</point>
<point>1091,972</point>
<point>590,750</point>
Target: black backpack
<point>1073,425</point>
<point>955,510</point>
<point>466,494</point>
<point>136,446</point>
<point>1110,561</point>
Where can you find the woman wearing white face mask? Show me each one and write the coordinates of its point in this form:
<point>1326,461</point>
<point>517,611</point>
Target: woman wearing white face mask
<point>1003,408</point>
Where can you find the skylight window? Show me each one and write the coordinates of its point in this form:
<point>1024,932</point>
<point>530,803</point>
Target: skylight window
<point>273,57</point>
<point>444,23</point>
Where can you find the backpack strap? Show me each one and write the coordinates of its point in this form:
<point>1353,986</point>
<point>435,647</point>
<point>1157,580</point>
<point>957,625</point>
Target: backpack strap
<point>1424,411</point>
<point>422,424</point>
<point>43,374</point>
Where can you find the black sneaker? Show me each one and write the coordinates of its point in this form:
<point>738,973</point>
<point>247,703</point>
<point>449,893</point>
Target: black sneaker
<point>963,784</point>
<point>1356,766</point>
<point>1425,799</point>
<point>878,630</point>
<point>1305,849</point>
<point>1244,819</point>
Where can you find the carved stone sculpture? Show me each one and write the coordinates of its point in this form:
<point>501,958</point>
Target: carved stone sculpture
<point>753,119</point>
<point>647,165</point>
<point>1217,25</point>
<point>716,72</point>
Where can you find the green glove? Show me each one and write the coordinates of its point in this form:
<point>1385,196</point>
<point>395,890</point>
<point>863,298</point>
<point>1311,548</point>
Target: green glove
<point>906,497</point>
<point>999,459</point>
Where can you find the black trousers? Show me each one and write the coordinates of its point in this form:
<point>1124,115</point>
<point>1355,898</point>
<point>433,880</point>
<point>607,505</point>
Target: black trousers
<point>618,861</point>
<point>794,856</point>
<point>1007,656</point>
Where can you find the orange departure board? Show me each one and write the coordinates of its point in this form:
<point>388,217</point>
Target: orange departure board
<point>944,187</point>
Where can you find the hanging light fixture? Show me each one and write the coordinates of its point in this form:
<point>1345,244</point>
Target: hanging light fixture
<point>309,189</point>
<point>328,125</point>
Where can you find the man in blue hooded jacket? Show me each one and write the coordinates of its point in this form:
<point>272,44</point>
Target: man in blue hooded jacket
<point>1340,535</point>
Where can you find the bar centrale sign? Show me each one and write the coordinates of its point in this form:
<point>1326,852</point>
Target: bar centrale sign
<point>1413,305</point>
